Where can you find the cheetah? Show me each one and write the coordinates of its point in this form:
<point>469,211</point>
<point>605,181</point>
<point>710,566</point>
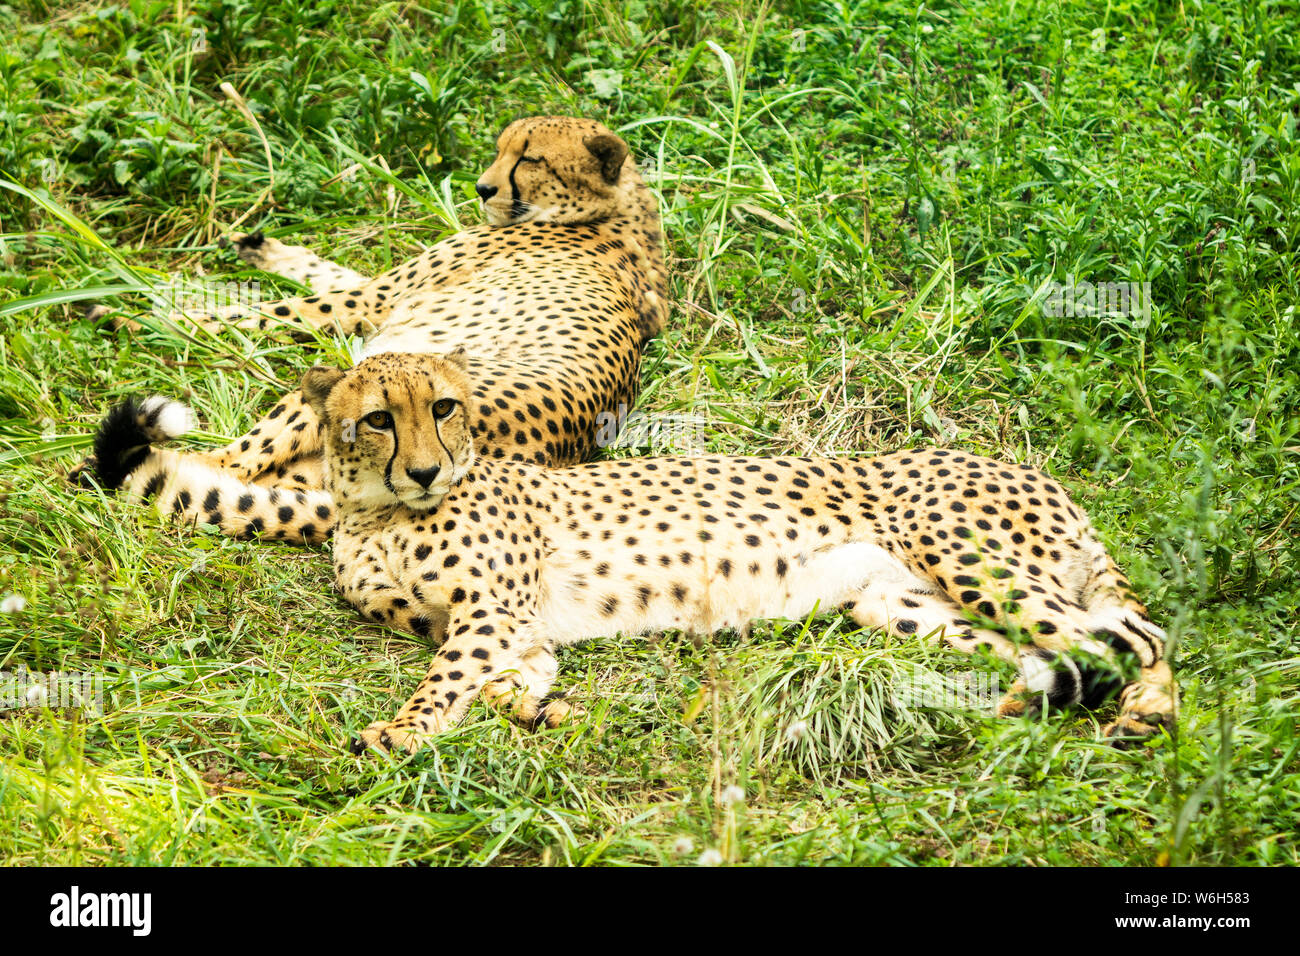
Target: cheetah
<point>555,297</point>
<point>501,562</point>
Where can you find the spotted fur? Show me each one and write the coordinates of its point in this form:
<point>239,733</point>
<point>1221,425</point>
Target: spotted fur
<point>502,562</point>
<point>554,298</point>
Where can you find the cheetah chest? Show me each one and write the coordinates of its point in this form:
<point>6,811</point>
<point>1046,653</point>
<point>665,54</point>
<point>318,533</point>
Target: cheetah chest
<point>410,572</point>
<point>726,589</point>
<point>394,569</point>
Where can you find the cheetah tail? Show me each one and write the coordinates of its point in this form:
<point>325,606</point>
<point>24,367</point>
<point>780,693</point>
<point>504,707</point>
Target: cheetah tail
<point>127,433</point>
<point>192,489</point>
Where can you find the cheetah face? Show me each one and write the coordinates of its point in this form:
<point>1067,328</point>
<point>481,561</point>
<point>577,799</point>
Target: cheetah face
<point>556,169</point>
<point>397,428</point>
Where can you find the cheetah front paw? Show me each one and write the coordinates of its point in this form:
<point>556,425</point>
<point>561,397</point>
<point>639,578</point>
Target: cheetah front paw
<point>555,712</point>
<point>386,737</point>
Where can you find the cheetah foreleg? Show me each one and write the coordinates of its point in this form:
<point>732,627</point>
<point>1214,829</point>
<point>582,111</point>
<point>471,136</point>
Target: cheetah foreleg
<point>477,651</point>
<point>293,262</point>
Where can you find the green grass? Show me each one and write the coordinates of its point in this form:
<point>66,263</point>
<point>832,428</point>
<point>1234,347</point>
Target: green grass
<point>861,201</point>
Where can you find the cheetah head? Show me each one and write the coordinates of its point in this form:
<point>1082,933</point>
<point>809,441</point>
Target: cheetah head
<point>396,428</point>
<point>557,169</point>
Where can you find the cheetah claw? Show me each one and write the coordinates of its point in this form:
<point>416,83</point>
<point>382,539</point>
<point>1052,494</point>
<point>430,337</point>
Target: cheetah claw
<point>555,712</point>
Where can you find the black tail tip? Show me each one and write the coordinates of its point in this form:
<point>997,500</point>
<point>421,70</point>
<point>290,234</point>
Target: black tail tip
<point>126,434</point>
<point>120,445</point>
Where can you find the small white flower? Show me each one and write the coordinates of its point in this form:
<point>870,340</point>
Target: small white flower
<point>710,858</point>
<point>36,695</point>
<point>926,28</point>
<point>732,795</point>
<point>796,730</point>
<point>13,604</point>
<point>683,845</point>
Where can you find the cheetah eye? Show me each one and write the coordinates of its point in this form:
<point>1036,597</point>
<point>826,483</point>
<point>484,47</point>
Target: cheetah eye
<point>380,420</point>
<point>443,407</point>
<point>530,159</point>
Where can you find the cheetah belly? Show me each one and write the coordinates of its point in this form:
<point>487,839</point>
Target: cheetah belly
<point>576,607</point>
<point>417,334</point>
<point>819,581</point>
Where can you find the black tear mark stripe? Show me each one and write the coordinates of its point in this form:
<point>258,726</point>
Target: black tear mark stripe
<point>388,468</point>
<point>451,460</point>
<point>516,205</point>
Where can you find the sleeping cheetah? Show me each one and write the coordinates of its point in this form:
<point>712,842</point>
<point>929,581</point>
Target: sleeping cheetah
<point>502,562</point>
<point>555,297</point>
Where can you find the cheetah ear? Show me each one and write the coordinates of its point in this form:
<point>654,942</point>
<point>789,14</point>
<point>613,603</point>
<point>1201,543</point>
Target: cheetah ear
<point>610,151</point>
<point>459,358</point>
<point>316,386</point>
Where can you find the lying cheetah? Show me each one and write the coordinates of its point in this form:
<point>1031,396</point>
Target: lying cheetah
<point>502,562</point>
<point>555,297</point>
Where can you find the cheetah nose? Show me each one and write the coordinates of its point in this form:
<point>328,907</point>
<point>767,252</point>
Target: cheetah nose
<point>484,191</point>
<point>423,476</point>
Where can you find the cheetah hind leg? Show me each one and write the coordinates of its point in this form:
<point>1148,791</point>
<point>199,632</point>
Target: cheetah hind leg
<point>906,604</point>
<point>522,692</point>
<point>262,252</point>
<point>1149,703</point>
<point>910,606</point>
<point>338,299</point>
